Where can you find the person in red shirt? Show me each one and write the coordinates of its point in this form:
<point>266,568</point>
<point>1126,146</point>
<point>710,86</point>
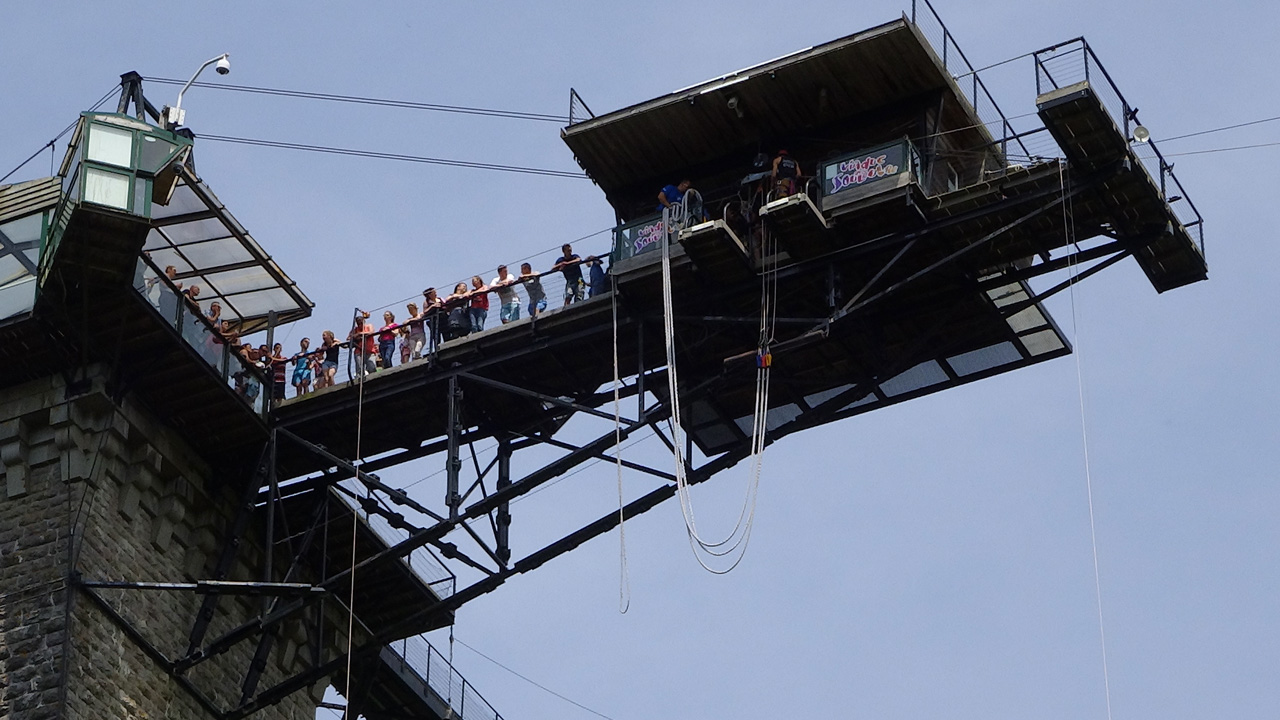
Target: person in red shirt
<point>363,344</point>
<point>387,339</point>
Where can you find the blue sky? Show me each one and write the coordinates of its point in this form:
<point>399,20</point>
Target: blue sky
<point>931,559</point>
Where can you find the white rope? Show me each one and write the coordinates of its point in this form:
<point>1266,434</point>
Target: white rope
<point>624,580</point>
<point>739,537</point>
<point>1068,229</point>
<point>355,520</point>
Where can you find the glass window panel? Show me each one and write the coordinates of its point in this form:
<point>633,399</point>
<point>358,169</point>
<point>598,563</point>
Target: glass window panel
<point>10,270</point>
<point>195,231</point>
<point>155,240</point>
<point>259,303</point>
<point>109,145</point>
<point>184,202</point>
<point>984,358</point>
<point>167,256</point>
<point>243,280</point>
<point>923,375</point>
<point>141,193</point>
<point>216,253</point>
<point>113,146</point>
<point>17,298</point>
<point>153,153</point>
<point>24,229</point>
<point>1027,319</point>
<point>1042,342</point>
<point>106,188</point>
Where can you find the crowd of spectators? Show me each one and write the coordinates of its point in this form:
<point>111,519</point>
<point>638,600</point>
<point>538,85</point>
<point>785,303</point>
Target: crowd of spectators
<point>424,326</point>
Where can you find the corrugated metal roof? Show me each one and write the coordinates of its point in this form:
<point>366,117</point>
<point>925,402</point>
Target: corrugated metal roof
<point>28,197</point>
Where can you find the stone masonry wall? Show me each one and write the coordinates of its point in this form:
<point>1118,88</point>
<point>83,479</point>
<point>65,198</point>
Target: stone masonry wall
<point>112,493</point>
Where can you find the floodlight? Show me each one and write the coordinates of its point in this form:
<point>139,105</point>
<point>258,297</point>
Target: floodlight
<point>1141,133</point>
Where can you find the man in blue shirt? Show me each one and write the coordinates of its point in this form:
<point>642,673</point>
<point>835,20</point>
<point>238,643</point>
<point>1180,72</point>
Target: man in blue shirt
<point>673,194</point>
<point>599,278</point>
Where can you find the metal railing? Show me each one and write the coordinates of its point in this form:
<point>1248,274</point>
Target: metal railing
<point>420,657</point>
<point>929,23</point>
<point>249,382</point>
<point>436,330</point>
<point>1068,63</point>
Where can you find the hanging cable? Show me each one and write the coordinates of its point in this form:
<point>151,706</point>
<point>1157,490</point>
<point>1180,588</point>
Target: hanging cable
<point>624,580</point>
<point>394,156</point>
<point>1068,229</point>
<point>355,513</point>
<point>52,143</point>
<point>380,102</point>
<point>534,683</point>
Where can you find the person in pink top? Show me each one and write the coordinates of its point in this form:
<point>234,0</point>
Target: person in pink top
<point>479,303</point>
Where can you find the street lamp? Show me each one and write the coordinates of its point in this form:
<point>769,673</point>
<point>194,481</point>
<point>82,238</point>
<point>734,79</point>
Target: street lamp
<point>175,116</point>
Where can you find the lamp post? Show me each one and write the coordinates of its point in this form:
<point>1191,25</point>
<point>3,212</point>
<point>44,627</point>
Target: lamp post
<point>175,116</point>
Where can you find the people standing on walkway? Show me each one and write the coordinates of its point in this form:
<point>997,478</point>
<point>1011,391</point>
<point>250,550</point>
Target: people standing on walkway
<point>599,284</point>
<point>570,266</point>
<point>479,303</point>
<point>328,366</point>
<point>458,307</point>
<point>363,344</point>
<point>417,331</point>
<point>387,339</point>
<point>533,287</point>
<point>302,369</point>
<point>278,365</point>
<point>431,311</point>
<point>508,300</point>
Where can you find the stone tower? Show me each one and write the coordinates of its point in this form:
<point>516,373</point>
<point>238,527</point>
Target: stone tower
<point>149,565</point>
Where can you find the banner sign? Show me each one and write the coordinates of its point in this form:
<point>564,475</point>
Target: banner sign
<point>639,237</point>
<point>862,168</point>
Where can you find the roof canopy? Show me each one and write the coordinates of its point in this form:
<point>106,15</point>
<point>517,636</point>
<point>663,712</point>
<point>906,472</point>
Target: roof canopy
<point>207,247</point>
<point>632,152</point>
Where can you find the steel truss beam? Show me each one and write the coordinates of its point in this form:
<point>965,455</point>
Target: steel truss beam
<point>494,508</point>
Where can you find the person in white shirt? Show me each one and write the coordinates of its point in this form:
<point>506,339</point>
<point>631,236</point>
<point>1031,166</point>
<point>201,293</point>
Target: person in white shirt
<point>504,285</point>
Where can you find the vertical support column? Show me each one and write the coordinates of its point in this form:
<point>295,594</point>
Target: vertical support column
<point>502,533</point>
<point>269,547</point>
<point>453,464</point>
<point>640,369</point>
<point>271,399</point>
<point>831,288</point>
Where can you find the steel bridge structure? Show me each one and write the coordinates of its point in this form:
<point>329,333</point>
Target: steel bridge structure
<point>922,275</point>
